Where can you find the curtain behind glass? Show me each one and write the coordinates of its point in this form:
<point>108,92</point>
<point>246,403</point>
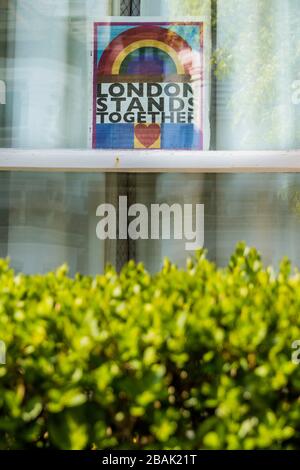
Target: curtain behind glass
<point>257,60</point>
<point>49,73</point>
<point>50,70</point>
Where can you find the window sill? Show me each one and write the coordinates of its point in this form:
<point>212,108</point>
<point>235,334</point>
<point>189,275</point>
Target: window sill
<point>150,161</point>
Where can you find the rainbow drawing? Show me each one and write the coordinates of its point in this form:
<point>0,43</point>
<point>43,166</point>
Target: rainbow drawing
<point>166,114</point>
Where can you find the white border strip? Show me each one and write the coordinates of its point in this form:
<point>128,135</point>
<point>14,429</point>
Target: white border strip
<point>150,161</point>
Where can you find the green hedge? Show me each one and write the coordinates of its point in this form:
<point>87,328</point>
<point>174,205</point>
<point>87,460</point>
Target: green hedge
<point>185,359</point>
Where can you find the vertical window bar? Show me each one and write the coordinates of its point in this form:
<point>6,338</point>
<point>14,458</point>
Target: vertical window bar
<point>5,127</point>
<point>120,252</point>
<point>135,8</point>
<point>125,7</point>
<point>211,226</point>
<point>127,251</point>
<point>213,97</point>
<point>130,7</point>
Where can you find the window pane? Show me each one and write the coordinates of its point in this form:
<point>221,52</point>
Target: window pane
<point>47,219</point>
<point>252,84</point>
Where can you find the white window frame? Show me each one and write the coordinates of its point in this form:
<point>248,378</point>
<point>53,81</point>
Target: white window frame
<point>150,161</point>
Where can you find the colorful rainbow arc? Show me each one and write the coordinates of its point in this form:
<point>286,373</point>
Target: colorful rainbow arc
<point>146,36</point>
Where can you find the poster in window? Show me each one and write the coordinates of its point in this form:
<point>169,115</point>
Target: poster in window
<point>148,85</point>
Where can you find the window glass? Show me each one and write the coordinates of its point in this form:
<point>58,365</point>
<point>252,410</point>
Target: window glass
<point>252,102</point>
<point>48,219</point>
<point>253,86</point>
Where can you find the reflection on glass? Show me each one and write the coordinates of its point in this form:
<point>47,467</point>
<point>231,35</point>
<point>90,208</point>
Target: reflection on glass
<point>45,63</point>
<point>49,219</point>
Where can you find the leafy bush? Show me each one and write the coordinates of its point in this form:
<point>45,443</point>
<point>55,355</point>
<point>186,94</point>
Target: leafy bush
<point>184,359</point>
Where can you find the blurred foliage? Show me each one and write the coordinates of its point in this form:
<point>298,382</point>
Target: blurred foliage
<point>184,359</point>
